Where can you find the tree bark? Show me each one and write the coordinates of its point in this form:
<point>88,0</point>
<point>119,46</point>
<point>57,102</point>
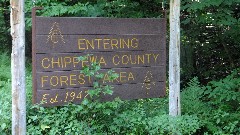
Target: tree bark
<point>174,59</point>
<point>18,67</point>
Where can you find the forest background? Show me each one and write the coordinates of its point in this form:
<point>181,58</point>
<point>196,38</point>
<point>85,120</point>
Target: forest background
<point>210,73</point>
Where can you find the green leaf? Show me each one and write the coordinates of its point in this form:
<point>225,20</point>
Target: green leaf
<point>99,76</point>
<point>85,101</point>
<point>33,117</point>
<point>108,90</point>
<point>95,84</point>
<point>82,58</point>
<point>234,97</point>
<point>3,126</point>
<point>218,121</point>
<point>43,127</point>
<point>107,111</point>
<point>114,76</point>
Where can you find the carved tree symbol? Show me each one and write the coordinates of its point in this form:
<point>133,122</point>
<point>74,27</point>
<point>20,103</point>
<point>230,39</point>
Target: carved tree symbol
<point>148,83</point>
<point>55,34</point>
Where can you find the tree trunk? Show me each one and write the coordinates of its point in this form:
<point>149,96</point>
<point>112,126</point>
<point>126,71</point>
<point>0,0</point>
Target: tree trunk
<point>18,67</point>
<point>174,59</point>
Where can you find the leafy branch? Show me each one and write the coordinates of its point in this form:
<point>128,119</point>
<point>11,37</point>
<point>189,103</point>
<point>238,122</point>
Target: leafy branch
<point>93,70</point>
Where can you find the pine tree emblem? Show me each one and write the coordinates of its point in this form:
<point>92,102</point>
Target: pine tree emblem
<point>148,83</point>
<point>55,34</point>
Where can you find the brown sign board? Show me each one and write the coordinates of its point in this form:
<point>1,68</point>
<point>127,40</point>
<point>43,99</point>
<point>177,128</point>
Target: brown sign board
<point>133,48</point>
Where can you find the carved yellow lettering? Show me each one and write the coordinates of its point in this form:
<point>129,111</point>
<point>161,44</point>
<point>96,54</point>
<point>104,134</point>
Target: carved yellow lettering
<point>106,44</point>
<point>72,79</point>
<point>116,60</point>
<point>56,62</point>
<point>47,64</point>
<point>102,61</point>
<point>89,44</point>
<point>140,59</point>
<point>106,78</point>
<point>98,42</point>
<point>125,59</point>
<point>61,58</point>
<point>133,60</point>
<point>148,57</point>
<point>122,77</point>
<point>81,79</point>
<point>130,76</point>
<point>54,100</point>
<point>93,59</point>
<point>44,98</point>
<point>155,57</point>
<point>79,95</point>
<point>75,61</point>
<point>116,80</point>
<point>114,43</point>
<point>80,44</point>
<point>134,43</point>
<point>84,63</point>
<point>67,61</point>
<point>63,79</point>
<point>43,79</point>
<point>52,81</point>
<point>89,79</point>
<point>124,43</point>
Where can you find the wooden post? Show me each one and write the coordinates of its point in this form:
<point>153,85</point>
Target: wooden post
<point>18,67</point>
<point>174,59</point>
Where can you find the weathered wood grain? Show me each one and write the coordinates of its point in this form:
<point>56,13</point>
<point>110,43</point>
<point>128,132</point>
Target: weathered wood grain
<point>75,79</point>
<point>101,26</point>
<point>82,43</point>
<point>58,97</point>
<point>135,48</point>
<point>69,61</point>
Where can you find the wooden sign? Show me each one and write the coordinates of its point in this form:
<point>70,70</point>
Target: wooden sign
<point>134,48</point>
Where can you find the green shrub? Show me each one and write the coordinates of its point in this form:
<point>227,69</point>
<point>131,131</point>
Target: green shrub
<point>5,108</point>
<point>5,94</point>
<point>191,102</point>
<point>116,117</point>
<point>224,98</point>
<point>216,104</point>
<point>206,110</point>
<point>164,124</point>
<point>5,67</point>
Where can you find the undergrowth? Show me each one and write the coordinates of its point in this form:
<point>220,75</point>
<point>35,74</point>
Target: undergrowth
<point>210,109</point>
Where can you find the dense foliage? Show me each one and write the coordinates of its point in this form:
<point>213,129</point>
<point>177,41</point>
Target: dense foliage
<point>202,108</point>
<point>210,43</point>
<point>210,38</point>
<point>209,50</point>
